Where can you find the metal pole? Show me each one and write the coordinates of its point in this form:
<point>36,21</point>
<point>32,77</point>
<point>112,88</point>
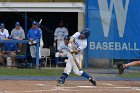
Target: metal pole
<point>86,25</point>
<point>26,22</point>
<point>37,54</point>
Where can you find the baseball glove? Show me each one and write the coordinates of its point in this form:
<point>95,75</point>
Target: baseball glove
<point>120,68</point>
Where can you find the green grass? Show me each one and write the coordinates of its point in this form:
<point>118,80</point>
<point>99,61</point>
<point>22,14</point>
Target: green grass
<point>31,72</point>
<point>131,75</point>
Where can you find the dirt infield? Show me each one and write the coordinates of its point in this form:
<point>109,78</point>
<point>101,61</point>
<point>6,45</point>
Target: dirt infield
<point>22,86</point>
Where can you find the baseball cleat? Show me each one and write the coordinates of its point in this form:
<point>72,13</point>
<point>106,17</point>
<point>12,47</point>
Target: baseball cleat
<point>61,82</point>
<point>93,81</point>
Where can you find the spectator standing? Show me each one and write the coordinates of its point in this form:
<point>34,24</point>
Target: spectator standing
<point>34,34</point>
<point>59,34</point>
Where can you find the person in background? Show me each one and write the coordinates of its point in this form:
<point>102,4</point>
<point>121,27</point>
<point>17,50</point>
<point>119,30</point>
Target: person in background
<point>59,34</point>
<point>18,34</point>
<point>3,32</point>
<point>34,34</point>
<point>9,50</point>
<point>62,50</point>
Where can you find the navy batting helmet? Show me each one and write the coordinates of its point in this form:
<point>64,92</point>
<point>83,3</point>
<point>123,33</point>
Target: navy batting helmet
<point>66,37</point>
<point>85,32</point>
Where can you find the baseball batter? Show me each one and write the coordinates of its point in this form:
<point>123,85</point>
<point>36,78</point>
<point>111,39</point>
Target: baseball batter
<point>62,50</point>
<point>77,44</point>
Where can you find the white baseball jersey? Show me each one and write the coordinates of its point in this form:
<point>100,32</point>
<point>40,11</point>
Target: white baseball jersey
<point>63,47</point>
<point>60,33</point>
<point>4,34</point>
<point>78,43</point>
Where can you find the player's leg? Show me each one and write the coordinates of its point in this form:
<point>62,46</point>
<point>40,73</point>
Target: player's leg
<point>67,71</point>
<point>39,55</point>
<point>13,58</point>
<point>81,72</point>
<point>33,54</point>
<point>57,58</point>
<point>1,58</point>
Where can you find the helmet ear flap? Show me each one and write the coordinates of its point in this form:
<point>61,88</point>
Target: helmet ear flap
<point>85,32</point>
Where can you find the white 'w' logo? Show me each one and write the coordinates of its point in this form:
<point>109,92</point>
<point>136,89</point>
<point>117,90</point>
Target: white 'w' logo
<point>106,13</point>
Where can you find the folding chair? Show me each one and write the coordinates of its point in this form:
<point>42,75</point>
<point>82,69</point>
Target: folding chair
<point>45,53</point>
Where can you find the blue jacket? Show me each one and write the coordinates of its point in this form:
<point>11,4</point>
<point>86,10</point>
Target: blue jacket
<point>34,34</point>
<point>10,47</point>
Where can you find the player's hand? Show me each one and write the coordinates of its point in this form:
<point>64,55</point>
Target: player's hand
<point>54,44</point>
<point>55,39</point>
<point>71,40</point>
<point>3,52</point>
<point>60,51</point>
<point>61,54</point>
<point>70,45</point>
<point>31,40</point>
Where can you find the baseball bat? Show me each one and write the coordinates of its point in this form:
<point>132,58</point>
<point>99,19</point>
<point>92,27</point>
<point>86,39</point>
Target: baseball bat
<point>76,62</point>
<point>74,59</point>
<point>40,21</point>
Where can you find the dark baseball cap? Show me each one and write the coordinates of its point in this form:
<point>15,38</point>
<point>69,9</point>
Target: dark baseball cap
<point>2,25</point>
<point>17,24</point>
<point>34,23</point>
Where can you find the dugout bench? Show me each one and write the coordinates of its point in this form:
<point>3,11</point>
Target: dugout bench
<point>24,42</point>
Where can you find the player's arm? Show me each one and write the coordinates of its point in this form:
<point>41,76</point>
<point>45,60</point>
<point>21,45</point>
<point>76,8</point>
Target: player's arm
<point>71,39</point>
<point>7,33</point>
<point>55,34</point>
<point>76,35</point>
<point>39,34</point>
<point>60,48</point>
<point>29,37</point>
<point>76,51</point>
<point>23,34</point>
<point>79,49</point>
<point>70,47</point>
<point>66,31</point>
